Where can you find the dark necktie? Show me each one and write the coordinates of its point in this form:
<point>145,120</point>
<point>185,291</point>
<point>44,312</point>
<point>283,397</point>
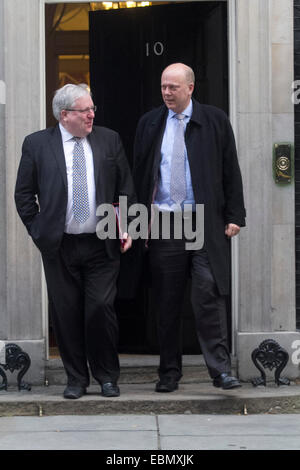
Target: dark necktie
<point>81,208</point>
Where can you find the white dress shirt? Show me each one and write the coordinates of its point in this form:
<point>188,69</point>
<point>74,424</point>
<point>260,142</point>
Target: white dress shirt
<point>71,225</point>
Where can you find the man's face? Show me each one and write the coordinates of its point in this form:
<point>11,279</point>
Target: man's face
<point>78,123</point>
<point>175,89</point>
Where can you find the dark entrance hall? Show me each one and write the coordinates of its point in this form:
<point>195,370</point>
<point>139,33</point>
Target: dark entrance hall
<point>128,51</point>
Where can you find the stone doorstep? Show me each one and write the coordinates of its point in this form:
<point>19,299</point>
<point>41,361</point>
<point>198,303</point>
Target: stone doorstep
<point>195,395</point>
<point>139,369</point>
<point>142,399</point>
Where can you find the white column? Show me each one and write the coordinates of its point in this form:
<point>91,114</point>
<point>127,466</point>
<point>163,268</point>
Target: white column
<point>265,116</point>
<point>3,310</point>
<point>23,300</point>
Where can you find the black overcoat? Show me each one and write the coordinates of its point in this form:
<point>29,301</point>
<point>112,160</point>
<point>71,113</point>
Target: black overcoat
<point>215,173</point>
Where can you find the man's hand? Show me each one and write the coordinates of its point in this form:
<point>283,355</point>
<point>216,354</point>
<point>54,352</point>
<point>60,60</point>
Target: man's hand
<point>231,230</point>
<point>127,242</point>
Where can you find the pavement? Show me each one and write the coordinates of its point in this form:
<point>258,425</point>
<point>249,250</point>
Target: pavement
<point>195,417</point>
<point>178,434</point>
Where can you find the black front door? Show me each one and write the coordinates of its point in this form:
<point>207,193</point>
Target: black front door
<point>129,48</point>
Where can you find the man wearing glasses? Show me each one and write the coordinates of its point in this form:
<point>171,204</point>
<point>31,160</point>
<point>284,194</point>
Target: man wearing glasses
<point>65,173</point>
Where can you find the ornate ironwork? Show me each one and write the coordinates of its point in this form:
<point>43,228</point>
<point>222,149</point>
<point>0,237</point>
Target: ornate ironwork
<point>270,355</point>
<point>15,359</point>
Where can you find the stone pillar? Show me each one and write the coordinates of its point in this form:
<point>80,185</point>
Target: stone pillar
<point>3,312</point>
<point>265,116</point>
<point>21,285</point>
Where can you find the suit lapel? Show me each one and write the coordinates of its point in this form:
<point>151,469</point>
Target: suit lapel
<point>58,151</point>
<point>157,148</point>
<point>56,146</point>
<point>99,165</point>
<point>199,154</point>
<point>155,129</point>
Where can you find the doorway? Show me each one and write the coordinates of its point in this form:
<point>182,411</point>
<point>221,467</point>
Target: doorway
<point>128,50</point>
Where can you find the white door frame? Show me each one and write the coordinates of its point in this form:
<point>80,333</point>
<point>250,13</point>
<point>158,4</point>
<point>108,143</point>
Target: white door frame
<point>232,61</point>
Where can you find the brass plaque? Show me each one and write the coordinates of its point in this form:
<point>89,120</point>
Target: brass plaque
<point>283,162</point>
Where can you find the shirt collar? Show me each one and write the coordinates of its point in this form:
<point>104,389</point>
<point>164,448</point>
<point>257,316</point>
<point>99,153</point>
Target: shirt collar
<point>187,111</point>
<point>66,135</point>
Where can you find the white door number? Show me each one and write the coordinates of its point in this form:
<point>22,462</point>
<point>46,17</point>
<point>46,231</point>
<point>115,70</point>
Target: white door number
<point>158,48</point>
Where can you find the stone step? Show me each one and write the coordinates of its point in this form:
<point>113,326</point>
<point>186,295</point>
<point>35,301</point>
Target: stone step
<point>138,369</point>
<point>190,398</point>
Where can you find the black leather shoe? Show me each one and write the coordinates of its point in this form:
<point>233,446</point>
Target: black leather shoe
<point>74,391</point>
<point>110,390</point>
<point>166,385</point>
<point>226,381</point>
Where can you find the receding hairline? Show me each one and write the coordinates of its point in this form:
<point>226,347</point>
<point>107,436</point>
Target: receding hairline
<point>183,68</point>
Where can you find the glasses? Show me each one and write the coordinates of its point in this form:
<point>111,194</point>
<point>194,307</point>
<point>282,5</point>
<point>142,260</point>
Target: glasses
<point>86,110</point>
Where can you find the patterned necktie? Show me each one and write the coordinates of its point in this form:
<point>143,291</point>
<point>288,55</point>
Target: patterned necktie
<point>178,182</point>
<point>81,208</point>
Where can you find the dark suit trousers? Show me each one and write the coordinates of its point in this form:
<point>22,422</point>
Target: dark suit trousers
<point>81,282</point>
<point>170,266</point>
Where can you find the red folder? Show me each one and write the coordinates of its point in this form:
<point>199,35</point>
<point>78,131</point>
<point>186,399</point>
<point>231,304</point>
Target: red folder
<point>118,220</point>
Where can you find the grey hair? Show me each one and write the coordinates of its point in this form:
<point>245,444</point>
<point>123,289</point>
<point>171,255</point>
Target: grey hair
<point>65,97</point>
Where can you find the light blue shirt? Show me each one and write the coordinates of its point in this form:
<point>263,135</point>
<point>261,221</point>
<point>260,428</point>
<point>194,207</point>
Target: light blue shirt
<point>162,198</point>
